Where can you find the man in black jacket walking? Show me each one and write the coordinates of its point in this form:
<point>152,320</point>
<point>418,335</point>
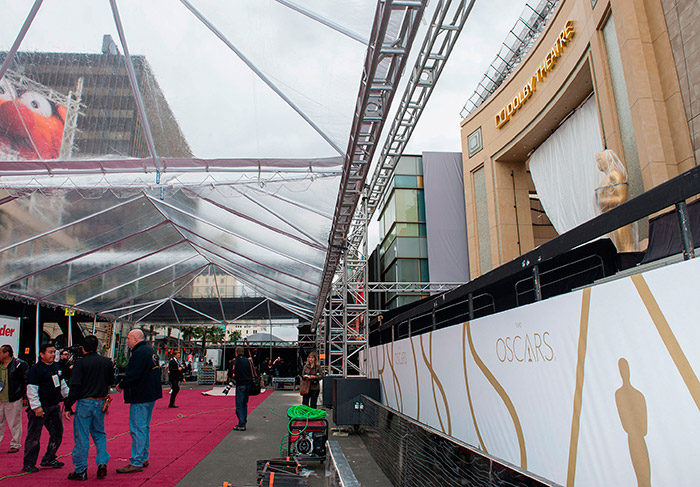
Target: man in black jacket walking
<point>141,386</point>
<point>90,381</point>
<point>175,375</point>
<point>242,375</point>
<point>13,392</point>
<point>45,392</point>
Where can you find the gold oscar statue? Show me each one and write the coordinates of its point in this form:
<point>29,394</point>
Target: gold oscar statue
<point>612,191</point>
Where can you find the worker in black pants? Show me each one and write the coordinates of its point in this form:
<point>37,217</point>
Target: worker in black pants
<point>175,375</point>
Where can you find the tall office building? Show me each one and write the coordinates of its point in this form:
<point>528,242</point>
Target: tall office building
<point>108,123</point>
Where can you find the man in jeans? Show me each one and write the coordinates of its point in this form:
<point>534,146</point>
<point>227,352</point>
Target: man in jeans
<point>13,392</point>
<point>242,375</point>
<point>91,378</point>
<point>141,386</point>
<point>45,391</point>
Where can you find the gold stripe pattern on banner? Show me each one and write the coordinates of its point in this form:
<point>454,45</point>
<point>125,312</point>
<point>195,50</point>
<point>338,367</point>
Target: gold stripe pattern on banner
<point>415,366</point>
<point>395,381</point>
<point>578,391</point>
<point>435,380</point>
<point>504,397</point>
<point>380,371</point>
<point>482,445</point>
<point>669,339</point>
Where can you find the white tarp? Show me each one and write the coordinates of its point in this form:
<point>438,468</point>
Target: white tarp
<point>564,169</point>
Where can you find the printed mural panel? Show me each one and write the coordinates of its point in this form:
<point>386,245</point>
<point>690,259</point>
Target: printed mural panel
<point>596,387</point>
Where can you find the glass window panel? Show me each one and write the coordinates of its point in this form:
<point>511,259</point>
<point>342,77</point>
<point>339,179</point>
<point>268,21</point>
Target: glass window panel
<point>409,165</point>
<point>424,271</point>
<point>421,205</point>
<point>406,205</point>
<point>408,270</point>
<point>413,247</point>
<point>405,181</point>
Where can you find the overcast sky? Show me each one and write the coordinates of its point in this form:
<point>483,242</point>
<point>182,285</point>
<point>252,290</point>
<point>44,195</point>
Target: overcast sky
<point>223,107</point>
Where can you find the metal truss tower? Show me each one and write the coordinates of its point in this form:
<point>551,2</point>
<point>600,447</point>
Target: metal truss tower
<point>342,333</point>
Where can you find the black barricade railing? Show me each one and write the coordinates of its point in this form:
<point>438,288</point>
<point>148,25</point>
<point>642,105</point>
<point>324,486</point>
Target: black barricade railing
<point>671,193</point>
<point>412,454</point>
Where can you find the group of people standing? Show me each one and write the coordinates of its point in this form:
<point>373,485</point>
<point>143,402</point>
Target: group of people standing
<point>42,388</point>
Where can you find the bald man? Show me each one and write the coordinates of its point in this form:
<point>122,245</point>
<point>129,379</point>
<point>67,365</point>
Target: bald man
<point>142,387</point>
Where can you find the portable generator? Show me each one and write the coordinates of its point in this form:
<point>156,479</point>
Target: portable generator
<point>307,438</point>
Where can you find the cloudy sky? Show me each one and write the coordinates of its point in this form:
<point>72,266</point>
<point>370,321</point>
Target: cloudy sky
<point>223,107</point>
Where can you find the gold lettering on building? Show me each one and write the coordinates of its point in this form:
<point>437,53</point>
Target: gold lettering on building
<point>539,76</point>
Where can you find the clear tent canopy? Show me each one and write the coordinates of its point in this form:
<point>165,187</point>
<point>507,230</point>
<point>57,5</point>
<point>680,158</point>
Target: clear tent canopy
<point>159,154</point>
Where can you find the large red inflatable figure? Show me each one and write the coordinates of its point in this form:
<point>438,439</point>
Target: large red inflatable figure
<point>31,126</point>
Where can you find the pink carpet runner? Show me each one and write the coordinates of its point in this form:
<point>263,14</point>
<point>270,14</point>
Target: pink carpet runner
<point>180,439</point>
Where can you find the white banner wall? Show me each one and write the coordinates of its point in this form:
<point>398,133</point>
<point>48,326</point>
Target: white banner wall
<point>596,387</point>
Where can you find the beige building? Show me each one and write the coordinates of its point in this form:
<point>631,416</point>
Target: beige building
<point>633,66</point>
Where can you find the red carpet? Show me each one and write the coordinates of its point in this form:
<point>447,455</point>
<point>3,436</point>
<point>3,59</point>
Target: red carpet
<point>180,438</point>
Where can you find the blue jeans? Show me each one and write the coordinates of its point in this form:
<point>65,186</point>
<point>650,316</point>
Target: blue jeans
<point>140,429</point>
<point>242,404</point>
<point>89,420</point>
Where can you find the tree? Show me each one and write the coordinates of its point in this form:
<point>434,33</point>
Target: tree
<point>211,333</point>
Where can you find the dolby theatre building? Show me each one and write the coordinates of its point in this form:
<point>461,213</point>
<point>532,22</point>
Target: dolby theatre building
<point>598,111</point>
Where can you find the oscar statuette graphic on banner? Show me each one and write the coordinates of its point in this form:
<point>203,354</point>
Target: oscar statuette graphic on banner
<point>632,408</point>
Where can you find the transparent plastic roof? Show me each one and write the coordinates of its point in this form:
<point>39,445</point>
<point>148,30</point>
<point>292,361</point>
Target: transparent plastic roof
<point>206,163</point>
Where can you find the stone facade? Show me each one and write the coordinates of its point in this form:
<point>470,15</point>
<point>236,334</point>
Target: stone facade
<point>683,22</point>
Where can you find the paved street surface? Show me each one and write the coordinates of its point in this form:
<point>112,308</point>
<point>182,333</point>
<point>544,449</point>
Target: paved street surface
<point>234,459</point>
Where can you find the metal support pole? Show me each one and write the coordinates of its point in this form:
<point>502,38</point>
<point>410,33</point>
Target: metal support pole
<point>686,235</point>
<point>471,306</point>
<point>536,283</point>
<point>70,329</point>
<point>269,317</point>
<point>38,333</point>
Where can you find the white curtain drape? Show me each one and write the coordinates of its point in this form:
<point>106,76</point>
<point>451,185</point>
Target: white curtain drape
<point>564,170</point>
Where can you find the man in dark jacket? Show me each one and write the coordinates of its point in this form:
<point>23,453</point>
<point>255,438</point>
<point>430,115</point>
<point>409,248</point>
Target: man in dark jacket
<point>66,364</point>
<point>141,386</point>
<point>90,381</point>
<point>175,375</point>
<point>242,375</point>
<point>45,392</point>
<point>13,395</point>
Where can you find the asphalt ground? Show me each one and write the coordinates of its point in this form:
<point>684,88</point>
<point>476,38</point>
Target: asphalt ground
<point>235,458</point>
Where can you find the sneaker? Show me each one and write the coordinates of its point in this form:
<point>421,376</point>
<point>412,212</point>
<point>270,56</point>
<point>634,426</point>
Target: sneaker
<point>53,463</point>
<point>101,471</point>
<point>78,475</point>
<point>145,464</point>
<point>239,428</point>
<point>129,469</point>
<point>14,449</point>
<point>173,406</point>
<point>30,469</point>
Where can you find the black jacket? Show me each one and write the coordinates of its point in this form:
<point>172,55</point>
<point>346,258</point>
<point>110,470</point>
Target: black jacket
<point>241,373</point>
<point>141,383</point>
<point>174,372</point>
<point>92,375</point>
<point>17,379</point>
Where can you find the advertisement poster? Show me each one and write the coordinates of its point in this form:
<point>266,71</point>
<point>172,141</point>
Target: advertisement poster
<point>31,125</point>
<point>9,332</point>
